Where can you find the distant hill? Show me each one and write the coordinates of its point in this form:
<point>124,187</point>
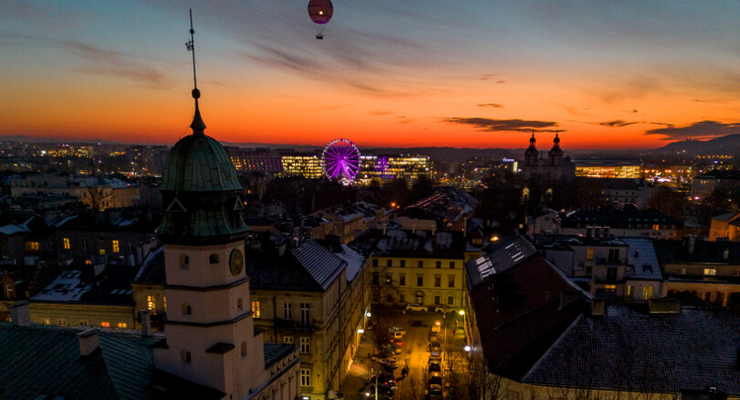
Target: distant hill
<point>723,145</point>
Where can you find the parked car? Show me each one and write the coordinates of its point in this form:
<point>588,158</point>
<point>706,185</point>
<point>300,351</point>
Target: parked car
<point>434,337</point>
<point>397,332</point>
<point>416,307</point>
<point>396,349</point>
<point>435,386</point>
<point>434,368</point>
<point>386,379</point>
<point>388,361</point>
<point>385,392</point>
<point>397,342</point>
<point>435,350</point>
<point>443,309</point>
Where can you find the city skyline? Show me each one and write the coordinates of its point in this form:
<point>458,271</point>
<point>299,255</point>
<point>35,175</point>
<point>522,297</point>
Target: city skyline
<point>395,74</point>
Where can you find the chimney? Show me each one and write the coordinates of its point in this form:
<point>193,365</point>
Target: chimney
<point>597,307</point>
<point>385,227</point>
<point>726,254</point>
<point>89,341</point>
<point>20,313</point>
<point>146,323</point>
<point>434,228</point>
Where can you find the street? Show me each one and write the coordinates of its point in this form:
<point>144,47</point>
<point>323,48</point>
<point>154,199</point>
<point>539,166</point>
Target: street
<point>415,353</point>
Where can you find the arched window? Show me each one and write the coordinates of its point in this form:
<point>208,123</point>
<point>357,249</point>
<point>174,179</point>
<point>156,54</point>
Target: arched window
<point>240,303</point>
<point>184,261</point>
<point>186,309</point>
<point>213,258</point>
<point>244,349</point>
<point>185,356</point>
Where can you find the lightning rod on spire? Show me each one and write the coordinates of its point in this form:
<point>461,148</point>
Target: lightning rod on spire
<point>191,47</point>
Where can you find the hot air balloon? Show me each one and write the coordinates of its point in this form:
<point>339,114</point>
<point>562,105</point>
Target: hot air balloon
<point>320,12</point>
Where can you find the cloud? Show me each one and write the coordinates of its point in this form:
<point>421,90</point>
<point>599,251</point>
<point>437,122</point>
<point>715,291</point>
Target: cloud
<point>492,105</point>
<point>502,125</point>
<point>487,77</point>
<point>99,61</point>
<point>697,130</point>
<point>380,113</point>
<point>617,124</point>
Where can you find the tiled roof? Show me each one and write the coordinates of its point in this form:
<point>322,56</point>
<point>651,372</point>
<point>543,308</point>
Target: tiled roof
<point>322,264</point>
<point>275,352</point>
<point>521,311</point>
<point>40,360</point>
<point>406,243</point>
<point>152,269</point>
<point>309,267</point>
<point>676,251</point>
<point>665,352</point>
<point>111,287</point>
<point>642,260</point>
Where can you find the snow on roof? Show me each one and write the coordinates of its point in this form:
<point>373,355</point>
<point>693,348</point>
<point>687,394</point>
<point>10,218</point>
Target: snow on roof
<point>354,261</point>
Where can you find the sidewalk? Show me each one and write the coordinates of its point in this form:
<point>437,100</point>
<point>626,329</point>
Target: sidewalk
<point>359,371</point>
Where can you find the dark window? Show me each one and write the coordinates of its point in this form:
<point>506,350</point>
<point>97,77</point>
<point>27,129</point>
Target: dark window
<point>375,262</point>
<point>421,264</point>
<point>420,280</point>
<point>403,263</point>
<point>213,259</point>
<point>438,264</point>
<point>389,263</point>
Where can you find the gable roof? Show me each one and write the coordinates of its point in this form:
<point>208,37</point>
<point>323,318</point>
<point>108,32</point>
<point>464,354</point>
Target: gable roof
<point>309,267</point>
<point>41,360</point>
<point>521,311</point>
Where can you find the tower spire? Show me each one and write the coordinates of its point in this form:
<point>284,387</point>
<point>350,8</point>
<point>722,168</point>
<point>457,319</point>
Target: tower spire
<point>198,126</point>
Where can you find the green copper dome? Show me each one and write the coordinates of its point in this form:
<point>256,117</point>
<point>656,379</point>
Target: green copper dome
<point>198,163</point>
<point>200,192</point>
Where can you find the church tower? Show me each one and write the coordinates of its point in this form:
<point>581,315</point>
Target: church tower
<point>531,154</point>
<point>210,328</point>
<point>556,153</point>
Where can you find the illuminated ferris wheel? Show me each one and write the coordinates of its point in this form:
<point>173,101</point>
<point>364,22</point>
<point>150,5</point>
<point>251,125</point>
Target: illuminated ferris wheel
<point>341,159</point>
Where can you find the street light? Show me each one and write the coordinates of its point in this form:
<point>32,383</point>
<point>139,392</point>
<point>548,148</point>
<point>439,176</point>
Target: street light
<point>467,348</point>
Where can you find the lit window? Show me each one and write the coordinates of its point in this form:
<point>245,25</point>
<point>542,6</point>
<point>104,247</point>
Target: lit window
<point>647,292</point>
<point>88,262</point>
<point>121,325</point>
<point>45,321</point>
<point>116,246</point>
<point>305,377</point>
<point>66,243</point>
<point>256,309</point>
<point>288,339</point>
<point>629,292</point>
<point>105,324</point>
<point>101,252</point>
<point>151,305</point>
<point>710,271</point>
<point>306,345</point>
<point>32,246</point>
<point>589,254</point>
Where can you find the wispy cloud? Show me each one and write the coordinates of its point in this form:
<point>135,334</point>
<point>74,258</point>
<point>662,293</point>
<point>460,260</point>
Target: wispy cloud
<point>380,113</point>
<point>617,124</point>
<point>100,61</point>
<point>492,105</point>
<point>697,130</point>
<point>503,125</point>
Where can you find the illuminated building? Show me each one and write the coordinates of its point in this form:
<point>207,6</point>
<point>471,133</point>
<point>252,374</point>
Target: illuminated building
<point>609,168</point>
<point>307,166</point>
<point>705,184</point>
<point>251,160</point>
<point>673,175</point>
<point>394,167</point>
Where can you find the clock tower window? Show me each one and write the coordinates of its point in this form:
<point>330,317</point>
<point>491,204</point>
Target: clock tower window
<point>186,309</point>
<point>213,259</point>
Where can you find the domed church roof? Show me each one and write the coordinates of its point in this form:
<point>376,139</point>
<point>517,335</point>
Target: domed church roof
<point>199,163</point>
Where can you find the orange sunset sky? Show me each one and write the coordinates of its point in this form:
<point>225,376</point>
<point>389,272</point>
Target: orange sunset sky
<point>606,74</point>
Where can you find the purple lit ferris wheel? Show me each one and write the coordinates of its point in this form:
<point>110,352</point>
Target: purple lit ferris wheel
<point>341,159</point>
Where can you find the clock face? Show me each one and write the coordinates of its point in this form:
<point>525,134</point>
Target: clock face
<point>236,262</point>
